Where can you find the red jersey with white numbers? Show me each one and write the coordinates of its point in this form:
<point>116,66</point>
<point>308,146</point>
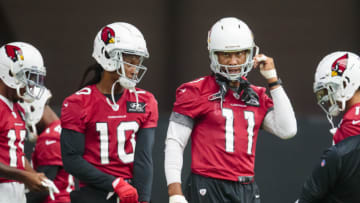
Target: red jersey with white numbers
<point>350,124</point>
<point>223,140</point>
<point>110,134</point>
<point>12,135</point>
<point>48,153</point>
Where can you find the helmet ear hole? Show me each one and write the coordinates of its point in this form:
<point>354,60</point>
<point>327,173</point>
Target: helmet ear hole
<point>10,73</point>
<point>344,84</point>
<point>107,55</point>
<point>32,109</point>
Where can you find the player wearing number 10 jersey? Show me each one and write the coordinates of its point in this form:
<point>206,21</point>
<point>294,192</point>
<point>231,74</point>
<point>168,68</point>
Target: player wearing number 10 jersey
<point>223,113</point>
<point>110,136</point>
<point>108,127</point>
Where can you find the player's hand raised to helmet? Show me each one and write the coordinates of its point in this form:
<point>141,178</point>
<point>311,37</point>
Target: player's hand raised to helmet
<point>266,66</point>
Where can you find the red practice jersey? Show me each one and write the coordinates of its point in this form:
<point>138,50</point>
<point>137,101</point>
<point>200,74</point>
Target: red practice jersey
<point>48,153</point>
<point>223,140</point>
<point>350,124</point>
<point>110,135</point>
<point>12,135</point>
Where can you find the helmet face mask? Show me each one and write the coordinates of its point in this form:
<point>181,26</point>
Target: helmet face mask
<point>227,71</point>
<point>127,68</point>
<point>231,35</point>
<point>22,66</point>
<point>326,99</point>
<point>33,81</point>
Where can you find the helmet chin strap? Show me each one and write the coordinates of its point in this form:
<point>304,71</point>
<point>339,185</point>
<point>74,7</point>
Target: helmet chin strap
<point>113,104</point>
<point>330,119</point>
<point>127,84</point>
<point>130,85</point>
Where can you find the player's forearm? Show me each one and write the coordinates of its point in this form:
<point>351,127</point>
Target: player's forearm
<point>143,164</point>
<point>12,173</point>
<point>28,166</point>
<point>72,148</point>
<point>281,121</point>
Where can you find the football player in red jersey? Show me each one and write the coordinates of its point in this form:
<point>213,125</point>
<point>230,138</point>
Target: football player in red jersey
<point>46,157</point>
<point>22,72</point>
<point>223,113</point>
<point>337,89</point>
<point>108,127</point>
<point>336,177</point>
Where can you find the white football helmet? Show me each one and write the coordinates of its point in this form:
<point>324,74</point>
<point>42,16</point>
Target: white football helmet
<point>34,111</point>
<point>21,65</point>
<point>114,40</point>
<point>231,35</point>
<point>337,78</point>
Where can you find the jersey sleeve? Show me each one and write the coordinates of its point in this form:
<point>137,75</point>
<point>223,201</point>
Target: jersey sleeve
<point>47,152</point>
<point>72,114</point>
<point>153,116</point>
<point>347,128</point>
<point>188,101</point>
<point>323,177</point>
<point>266,101</point>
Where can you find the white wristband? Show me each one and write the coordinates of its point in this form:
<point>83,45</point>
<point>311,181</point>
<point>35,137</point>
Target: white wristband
<point>177,199</point>
<point>268,73</point>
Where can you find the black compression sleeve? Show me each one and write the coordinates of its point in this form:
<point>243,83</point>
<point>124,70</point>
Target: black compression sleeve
<point>72,149</point>
<point>322,179</point>
<point>50,172</point>
<point>143,164</point>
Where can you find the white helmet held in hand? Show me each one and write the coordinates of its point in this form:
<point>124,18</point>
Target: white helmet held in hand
<point>34,111</point>
<point>114,40</point>
<point>231,35</point>
<point>337,78</point>
<point>21,65</point>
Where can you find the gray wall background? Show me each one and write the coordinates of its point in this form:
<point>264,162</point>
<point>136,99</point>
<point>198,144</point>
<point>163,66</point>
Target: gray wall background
<point>297,34</point>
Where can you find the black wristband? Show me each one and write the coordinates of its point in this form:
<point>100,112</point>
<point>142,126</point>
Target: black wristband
<point>278,82</point>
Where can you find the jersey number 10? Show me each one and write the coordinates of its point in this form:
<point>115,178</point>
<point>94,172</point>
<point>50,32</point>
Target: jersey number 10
<point>102,128</point>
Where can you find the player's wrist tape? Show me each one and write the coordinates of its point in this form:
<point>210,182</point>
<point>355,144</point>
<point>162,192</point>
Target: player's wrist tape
<point>177,199</point>
<point>268,73</point>
<point>278,82</point>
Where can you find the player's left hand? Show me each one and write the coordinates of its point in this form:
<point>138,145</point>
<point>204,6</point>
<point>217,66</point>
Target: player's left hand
<point>126,192</point>
<point>51,187</point>
<point>266,65</point>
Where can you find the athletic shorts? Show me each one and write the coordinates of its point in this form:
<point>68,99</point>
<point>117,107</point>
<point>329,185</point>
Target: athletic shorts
<point>12,192</point>
<point>200,189</point>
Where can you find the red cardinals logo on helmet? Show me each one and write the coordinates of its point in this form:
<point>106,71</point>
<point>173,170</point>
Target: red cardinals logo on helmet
<point>14,53</point>
<point>339,65</point>
<point>107,35</point>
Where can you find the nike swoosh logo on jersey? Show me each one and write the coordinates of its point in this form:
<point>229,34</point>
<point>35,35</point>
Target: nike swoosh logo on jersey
<point>18,124</point>
<point>49,142</point>
<point>183,90</point>
<point>355,122</point>
<point>66,104</point>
